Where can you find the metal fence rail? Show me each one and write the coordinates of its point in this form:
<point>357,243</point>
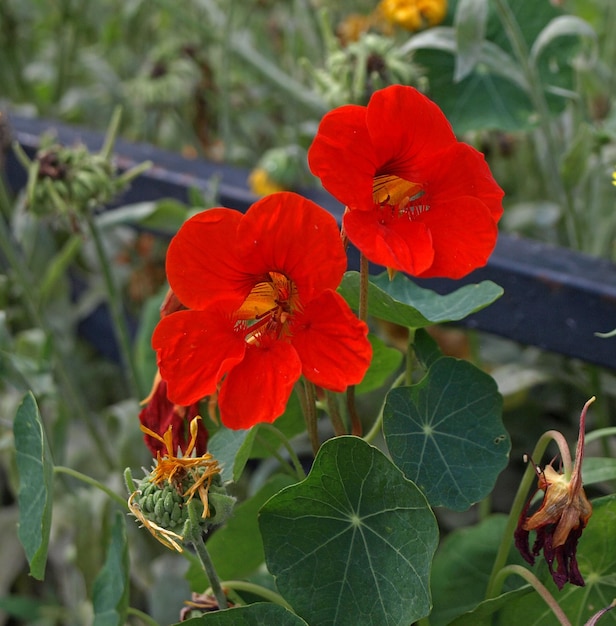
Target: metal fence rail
<point>554,299</point>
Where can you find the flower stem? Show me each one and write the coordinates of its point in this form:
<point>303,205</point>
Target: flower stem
<point>538,586</point>
<point>376,427</point>
<point>257,590</point>
<point>334,413</point>
<point>310,415</point>
<point>61,469</point>
<point>194,534</point>
<point>144,617</point>
<point>116,309</point>
<point>518,504</point>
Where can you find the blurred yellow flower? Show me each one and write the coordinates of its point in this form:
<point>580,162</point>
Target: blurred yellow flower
<point>261,183</point>
<point>413,14</point>
<point>614,178</point>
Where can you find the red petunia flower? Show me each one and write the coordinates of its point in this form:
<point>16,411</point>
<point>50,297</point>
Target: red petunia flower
<point>262,309</point>
<point>159,414</point>
<point>417,200</point>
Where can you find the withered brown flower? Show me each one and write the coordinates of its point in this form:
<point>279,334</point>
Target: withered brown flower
<point>560,519</point>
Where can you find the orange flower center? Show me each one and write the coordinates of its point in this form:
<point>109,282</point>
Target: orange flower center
<point>399,195</point>
<point>268,309</point>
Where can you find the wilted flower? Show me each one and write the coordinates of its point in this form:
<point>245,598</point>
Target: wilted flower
<point>560,519</point>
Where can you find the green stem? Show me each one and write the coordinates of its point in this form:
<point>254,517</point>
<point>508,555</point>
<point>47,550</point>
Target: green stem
<point>257,590</point>
<point>334,413</point>
<point>61,469</point>
<point>518,505</point>
<point>601,433</point>
<point>144,617</point>
<point>538,586</point>
<point>299,470</point>
<point>310,415</point>
<point>116,309</point>
<point>537,96</point>
<point>376,427</point>
<point>195,536</point>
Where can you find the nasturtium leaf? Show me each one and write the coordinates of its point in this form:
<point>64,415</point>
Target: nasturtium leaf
<point>385,361</point>
<point>111,586</point>
<point>596,556</point>
<point>461,571</point>
<point>258,614</point>
<point>402,302</point>
<point>35,469</point>
<point>236,549</point>
<point>165,215</point>
<point>483,613</point>
<point>426,349</point>
<point>353,542</point>
<point>446,433</point>
<point>231,448</point>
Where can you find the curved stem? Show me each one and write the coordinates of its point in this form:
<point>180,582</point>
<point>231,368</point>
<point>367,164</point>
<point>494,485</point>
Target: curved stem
<point>517,507</point>
<point>115,308</point>
<point>144,617</point>
<point>538,586</point>
<point>376,427</point>
<point>257,590</point>
<point>61,469</point>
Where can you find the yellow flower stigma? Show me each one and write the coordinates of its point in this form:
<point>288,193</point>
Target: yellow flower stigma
<point>414,15</point>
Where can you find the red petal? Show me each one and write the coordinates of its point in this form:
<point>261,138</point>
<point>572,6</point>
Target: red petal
<point>331,342</point>
<point>395,242</point>
<point>258,389</point>
<point>287,233</point>
<point>405,128</point>
<point>201,261</point>
<point>343,157</point>
<point>195,349</point>
<point>463,233</point>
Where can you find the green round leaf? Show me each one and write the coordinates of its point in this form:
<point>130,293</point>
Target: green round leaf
<point>446,434</point>
<point>35,469</point>
<point>402,302</point>
<point>595,556</point>
<point>353,542</point>
<point>385,361</point>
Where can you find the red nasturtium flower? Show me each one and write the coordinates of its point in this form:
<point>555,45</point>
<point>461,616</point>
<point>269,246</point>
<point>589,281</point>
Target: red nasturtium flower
<point>262,309</point>
<point>560,519</point>
<point>417,200</point>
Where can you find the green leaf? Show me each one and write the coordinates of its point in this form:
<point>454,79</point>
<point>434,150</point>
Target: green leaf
<point>598,470</point>
<point>56,270</point>
<point>574,163</point>
<point>385,361</point>
<point>446,434</point>
<point>353,542</point>
<point>35,469</point>
<point>165,215</point>
<point>258,614</point>
<point>231,448</point>
<point>561,26</point>
<point>426,349</point>
<point>402,302</point>
<point>236,549</point>
<point>111,586</point>
<point>483,613</point>
<point>596,559</point>
<point>461,571</point>
<point>470,24</point>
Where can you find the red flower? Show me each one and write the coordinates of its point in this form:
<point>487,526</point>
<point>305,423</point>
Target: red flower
<point>262,309</point>
<point>417,200</point>
<point>159,414</point>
